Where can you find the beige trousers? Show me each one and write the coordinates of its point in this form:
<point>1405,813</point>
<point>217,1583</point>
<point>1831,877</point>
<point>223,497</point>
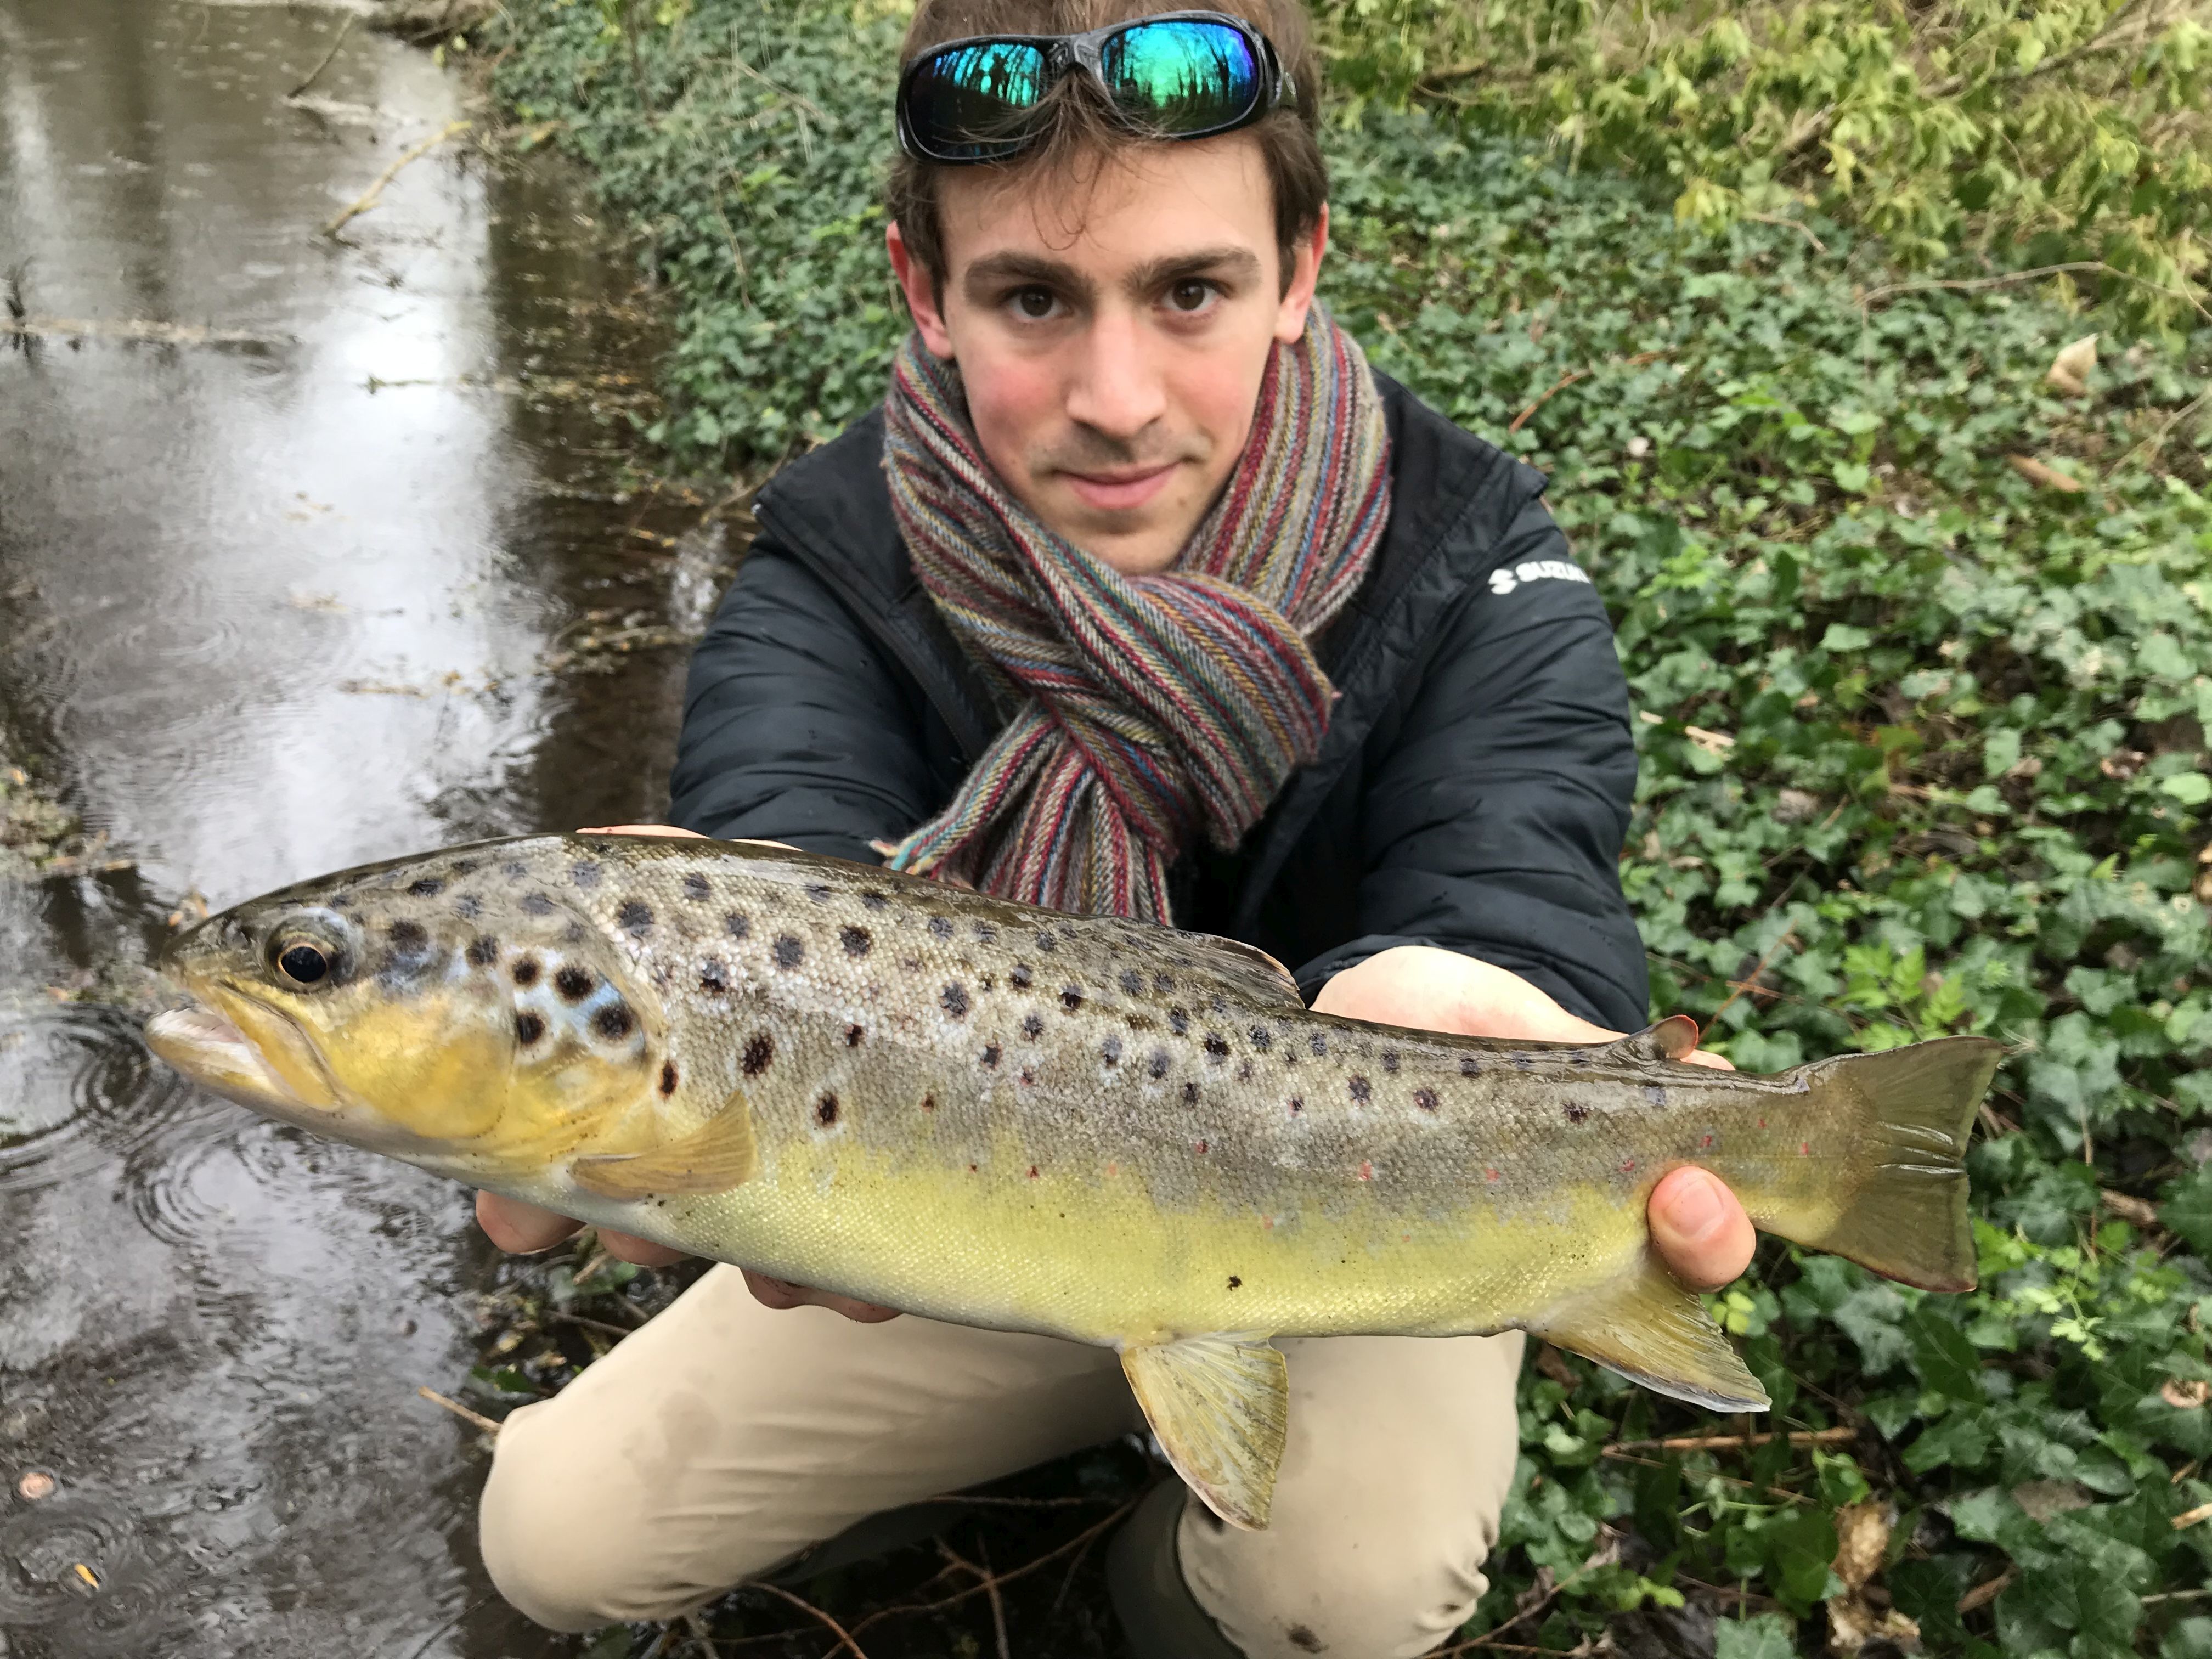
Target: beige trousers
<point>725,1438</point>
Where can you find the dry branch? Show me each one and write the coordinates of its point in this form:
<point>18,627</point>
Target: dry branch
<point>413,152</point>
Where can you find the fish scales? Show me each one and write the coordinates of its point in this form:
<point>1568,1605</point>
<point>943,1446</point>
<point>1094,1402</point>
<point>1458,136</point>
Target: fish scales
<point>1081,1126</point>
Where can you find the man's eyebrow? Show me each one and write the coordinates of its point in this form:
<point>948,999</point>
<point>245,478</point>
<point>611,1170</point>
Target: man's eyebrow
<point>1230,262</point>
<point>997,270</point>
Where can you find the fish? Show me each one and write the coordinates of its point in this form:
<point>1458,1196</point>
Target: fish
<point>1084,1126</point>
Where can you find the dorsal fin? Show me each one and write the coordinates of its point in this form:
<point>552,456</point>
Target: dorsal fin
<point>1242,968</point>
<point>1675,1038</point>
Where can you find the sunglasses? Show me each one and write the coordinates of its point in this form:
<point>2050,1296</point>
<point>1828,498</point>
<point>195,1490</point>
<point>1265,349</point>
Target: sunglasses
<point>1176,74</point>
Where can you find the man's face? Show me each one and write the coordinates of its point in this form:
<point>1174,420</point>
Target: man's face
<point>1111,332</point>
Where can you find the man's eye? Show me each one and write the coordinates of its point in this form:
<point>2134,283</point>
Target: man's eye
<point>1191,295</point>
<point>1033,303</point>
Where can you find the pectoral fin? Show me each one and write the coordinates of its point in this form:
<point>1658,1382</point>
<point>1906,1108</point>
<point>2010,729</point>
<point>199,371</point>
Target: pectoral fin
<point>718,1155</point>
<point>1651,1330</point>
<point>1219,1405</point>
<point>1675,1038</point>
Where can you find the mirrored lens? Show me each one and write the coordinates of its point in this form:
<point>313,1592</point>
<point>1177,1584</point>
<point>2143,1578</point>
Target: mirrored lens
<point>1182,76</point>
<point>974,102</point>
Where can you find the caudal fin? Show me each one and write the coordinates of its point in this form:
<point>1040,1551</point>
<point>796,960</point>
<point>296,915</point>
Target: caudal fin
<point>1912,1109</point>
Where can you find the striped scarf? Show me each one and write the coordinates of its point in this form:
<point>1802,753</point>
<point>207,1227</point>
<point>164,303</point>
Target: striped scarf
<point>1147,709</point>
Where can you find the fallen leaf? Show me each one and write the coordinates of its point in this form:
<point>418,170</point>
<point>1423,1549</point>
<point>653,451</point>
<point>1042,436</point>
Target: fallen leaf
<point>2134,1210</point>
<point>2184,1395</point>
<point>2044,476</point>
<point>1713,742</point>
<point>2069,369</point>
<point>1862,1541</point>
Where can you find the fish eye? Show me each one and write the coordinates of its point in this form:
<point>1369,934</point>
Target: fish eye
<point>303,962</point>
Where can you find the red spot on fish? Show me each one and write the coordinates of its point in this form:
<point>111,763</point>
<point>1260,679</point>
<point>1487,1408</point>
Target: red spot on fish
<point>1268,1224</point>
<point>1707,1142</point>
<point>1490,1175</point>
<point>929,1105</point>
<point>1628,1166</point>
<point>1366,1170</point>
<point>1762,1123</point>
<point>1804,1149</point>
<point>971,1168</point>
<point>1113,1169</point>
<point>1201,1145</point>
<point>1033,1172</point>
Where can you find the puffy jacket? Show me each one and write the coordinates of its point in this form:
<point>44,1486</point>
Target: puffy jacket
<point>1471,790</point>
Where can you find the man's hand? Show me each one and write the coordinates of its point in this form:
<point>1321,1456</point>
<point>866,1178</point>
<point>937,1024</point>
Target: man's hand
<point>1696,1223</point>
<point>523,1229</point>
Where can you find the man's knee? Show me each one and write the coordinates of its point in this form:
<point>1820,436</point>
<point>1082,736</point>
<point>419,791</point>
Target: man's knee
<point>571,1538</point>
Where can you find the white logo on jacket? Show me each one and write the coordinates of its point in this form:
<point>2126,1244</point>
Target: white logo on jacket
<point>1505,579</point>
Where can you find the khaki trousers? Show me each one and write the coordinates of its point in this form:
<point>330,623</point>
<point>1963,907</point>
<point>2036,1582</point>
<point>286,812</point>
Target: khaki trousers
<point>725,1438</point>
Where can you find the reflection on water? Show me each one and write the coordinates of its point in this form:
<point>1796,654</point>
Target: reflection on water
<point>290,530</point>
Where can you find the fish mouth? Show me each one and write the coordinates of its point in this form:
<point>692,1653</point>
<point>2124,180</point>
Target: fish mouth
<point>216,1052</point>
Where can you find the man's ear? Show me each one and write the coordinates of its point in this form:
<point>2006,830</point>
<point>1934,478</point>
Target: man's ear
<point>1304,273</point>
<point>920,287</point>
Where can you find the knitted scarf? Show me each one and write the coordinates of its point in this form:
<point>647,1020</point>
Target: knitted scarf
<point>1147,709</point>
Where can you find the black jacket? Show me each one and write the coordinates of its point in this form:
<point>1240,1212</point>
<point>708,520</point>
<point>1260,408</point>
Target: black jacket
<point>1471,790</point>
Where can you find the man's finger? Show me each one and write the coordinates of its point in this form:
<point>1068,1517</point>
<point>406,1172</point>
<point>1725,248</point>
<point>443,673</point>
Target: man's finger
<point>772,1293</point>
<point>639,1252</point>
<point>521,1229</point>
<point>1699,1229</point>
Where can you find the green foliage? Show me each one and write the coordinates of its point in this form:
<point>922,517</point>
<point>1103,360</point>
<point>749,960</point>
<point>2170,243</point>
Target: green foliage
<point>1924,751</point>
<point>2071,130</point>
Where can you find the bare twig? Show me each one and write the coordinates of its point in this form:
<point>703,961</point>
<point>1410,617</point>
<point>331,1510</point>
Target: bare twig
<point>844,1637</point>
<point>488,1425</point>
<point>615,1331</point>
<point>413,152</point>
<point>1974,284</point>
<point>134,328</point>
<point>1560,386</point>
<point>990,1586</point>
<point>1732,1441</point>
<point>316,74</point>
<point>1982,1595</point>
<point>1797,225</point>
<point>1750,981</point>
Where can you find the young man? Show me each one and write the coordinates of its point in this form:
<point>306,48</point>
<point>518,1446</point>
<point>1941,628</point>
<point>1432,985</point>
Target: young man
<point>1141,593</point>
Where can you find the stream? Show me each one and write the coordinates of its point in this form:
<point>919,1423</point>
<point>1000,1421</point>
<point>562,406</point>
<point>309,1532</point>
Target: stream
<point>313,550</point>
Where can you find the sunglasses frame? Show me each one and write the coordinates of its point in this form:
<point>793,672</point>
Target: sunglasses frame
<point>1065,53</point>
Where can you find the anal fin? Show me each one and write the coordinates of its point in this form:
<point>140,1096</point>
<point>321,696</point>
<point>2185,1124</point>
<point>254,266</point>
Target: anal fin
<point>720,1154</point>
<point>1651,1329</point>
<point>1220,1404</point>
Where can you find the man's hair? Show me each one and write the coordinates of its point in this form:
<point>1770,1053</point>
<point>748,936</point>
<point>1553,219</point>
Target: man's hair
<point>1080,128</point>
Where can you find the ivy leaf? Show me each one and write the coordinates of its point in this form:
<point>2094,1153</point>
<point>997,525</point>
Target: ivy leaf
<point>1765,1636</point>
<point>2187,1211</point>
<point>1943,1356</point>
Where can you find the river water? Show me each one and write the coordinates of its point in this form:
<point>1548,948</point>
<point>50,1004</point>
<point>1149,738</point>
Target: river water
<point>298,536</point>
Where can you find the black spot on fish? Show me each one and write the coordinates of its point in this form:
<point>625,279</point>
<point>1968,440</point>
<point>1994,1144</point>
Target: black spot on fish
<point>1425,1099</point>
<point>1217,1046</point>
<point>697,888</point>
<point>1319,1043</point>
<point>876,901</point>
<point>428,887</point>
<point>929,1105</point>
<point>1179,1020</point>
<point>953,998</point>
<point>528,1028</point>
<point>1469,1066</point>
<point>465,866</point>
<point>1522,1062</point>
<point>667,1077</point>
<point>468,907</point>
<point>1216,1007</point>
<point>940,928</point>
<point>1654,1095</point>
<point>1133,982</point>
<point>789,951</point>
<point>1579,1057</point>
<point>987,932</point>
<point>1360,1089</point>
<point>408,937</point>
<point>825,1110</point>
<point>852,1035</point>
<point>713,978</point>
<point>586,874</point>
<point>1244,1071</point>
<point>818,892</point>
<point>1190,1094</point>
<point>1234,1282</point>
<point>613,1022</point>
<point>991,1054</point>
<point>572,984</point>
<point>1071,998</point>
<point>1390,1059</point>
<point>636,916</point>
<point>1046,940</point>
<point>738,924</point>
<point>1301,1637</point>
<point>1576,1112</point>
<point>1163,983</point>
<point>988,982</point>
<point>1263,1038</point>
<point>1032,1026</point>
<point>1157,1065</point>
<point>1021,978</point>
<point>857,941</point>
<point>1110,1051</point>
<point>759,1052</point>
<point>524,970</point>
<point>537,905</point>
<point>1298,1104</point>
<point>514,869</point>
<point>482,951</point>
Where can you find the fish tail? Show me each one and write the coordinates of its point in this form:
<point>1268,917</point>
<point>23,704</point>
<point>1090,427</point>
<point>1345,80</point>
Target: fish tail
<point>1911,1111</point>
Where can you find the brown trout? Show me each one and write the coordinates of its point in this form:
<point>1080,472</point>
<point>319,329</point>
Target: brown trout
<point>1080,1125</point>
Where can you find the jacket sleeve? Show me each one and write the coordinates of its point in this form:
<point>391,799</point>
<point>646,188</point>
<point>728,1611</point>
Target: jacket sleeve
<point>796,727</point>
<point>1492,821</point>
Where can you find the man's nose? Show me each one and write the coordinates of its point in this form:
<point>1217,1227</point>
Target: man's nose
<point>1117,388</point>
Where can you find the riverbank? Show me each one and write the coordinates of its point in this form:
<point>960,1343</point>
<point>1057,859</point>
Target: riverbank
<point>1915,597</point>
